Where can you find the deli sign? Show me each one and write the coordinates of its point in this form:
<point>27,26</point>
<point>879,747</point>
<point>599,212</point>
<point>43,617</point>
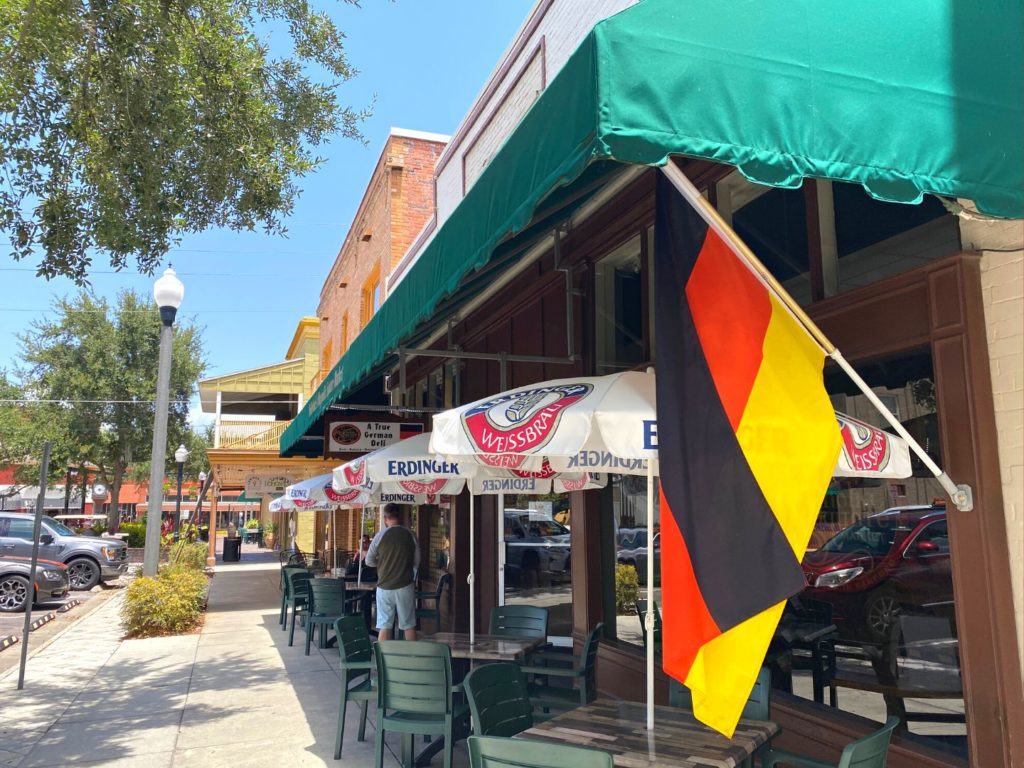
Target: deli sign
<point>362,436</point>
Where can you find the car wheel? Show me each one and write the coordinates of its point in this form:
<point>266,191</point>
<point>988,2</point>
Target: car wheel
<point>83,573</point>
<point>13,593</point>
<point>881,614</point>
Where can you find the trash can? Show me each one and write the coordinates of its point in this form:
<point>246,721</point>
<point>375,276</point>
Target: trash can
<point>232,549</point>
<point>204,533</point>
<point>258,533</point>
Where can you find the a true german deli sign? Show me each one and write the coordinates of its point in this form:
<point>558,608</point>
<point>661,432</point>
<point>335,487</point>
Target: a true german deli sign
<point>362,436</point>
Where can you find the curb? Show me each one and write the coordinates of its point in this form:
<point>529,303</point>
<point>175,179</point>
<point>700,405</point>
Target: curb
<point>7,642</point>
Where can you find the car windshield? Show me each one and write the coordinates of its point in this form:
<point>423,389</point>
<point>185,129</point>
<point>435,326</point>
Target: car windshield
<point>874,537</point>
<point>542,526</point>
<point>58,528</point>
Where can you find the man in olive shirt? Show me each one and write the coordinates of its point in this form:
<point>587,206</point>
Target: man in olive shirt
<point>395,553</point>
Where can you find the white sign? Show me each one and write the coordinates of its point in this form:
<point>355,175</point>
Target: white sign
<point>362,436</point>
<point>266,485</point>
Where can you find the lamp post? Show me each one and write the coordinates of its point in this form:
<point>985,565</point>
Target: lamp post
<point>168,293</point>
<point>180,457</point>
<point>199,498</point>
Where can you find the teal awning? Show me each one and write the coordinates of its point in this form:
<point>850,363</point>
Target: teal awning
<point>903,97</point>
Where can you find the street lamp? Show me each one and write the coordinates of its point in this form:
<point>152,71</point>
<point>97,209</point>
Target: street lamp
<point>168,293</point>
<point>180,456</point>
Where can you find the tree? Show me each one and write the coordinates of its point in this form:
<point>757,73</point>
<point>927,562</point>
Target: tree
<point>125,124</point>
<point>98,364</point>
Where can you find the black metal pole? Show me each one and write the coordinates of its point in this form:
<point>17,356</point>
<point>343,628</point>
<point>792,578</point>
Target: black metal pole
<point>177,504</point>
<point>36,529</point>
<point>67,488</point>
<point>85,482</point>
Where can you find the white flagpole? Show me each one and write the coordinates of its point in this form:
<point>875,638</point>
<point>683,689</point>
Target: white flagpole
<point>960,494</point>
<point>472,575</point>
<point>649,617</point>
<point>362,528</point>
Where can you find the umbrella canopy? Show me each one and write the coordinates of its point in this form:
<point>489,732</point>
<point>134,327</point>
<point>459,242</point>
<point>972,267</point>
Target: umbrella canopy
<point>608,424</point>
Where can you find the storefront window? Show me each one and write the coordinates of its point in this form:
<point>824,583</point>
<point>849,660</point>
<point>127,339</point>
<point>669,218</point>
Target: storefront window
<point>618,285</point>
<point>874,239</point>
<point>876,619</point>
<point>537,557</point>
<point>631,540</point>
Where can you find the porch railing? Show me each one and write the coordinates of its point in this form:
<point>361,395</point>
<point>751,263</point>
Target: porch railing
<point>252,435</point>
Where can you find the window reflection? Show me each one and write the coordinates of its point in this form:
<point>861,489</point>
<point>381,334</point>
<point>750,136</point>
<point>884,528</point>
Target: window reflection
<point>634,542</point>
<point>874,631</point>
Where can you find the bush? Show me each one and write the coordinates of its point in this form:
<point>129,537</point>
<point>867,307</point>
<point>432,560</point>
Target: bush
<point>136,534</point>
<point>98,529</point>
<point>188,554</point>
<point>167,604</point>
<point>627,588</point>
<point>252,523</point>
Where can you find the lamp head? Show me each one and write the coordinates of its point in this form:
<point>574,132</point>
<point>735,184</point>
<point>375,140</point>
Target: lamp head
<point>168,292</point>
<point>202,479</point>
<point>181,455</point>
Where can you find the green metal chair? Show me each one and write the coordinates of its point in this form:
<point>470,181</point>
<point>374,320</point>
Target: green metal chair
<point>580,675</point>
<point>498,700</point>
<point>641,611</point>
<point>519,621</point>
<point>296,597</point>
<point>867,752</point>
<point>415,695</point>
<point>356,673</point>
<point>496,752</point>
<point>324,605</point>
<point>433,612</point>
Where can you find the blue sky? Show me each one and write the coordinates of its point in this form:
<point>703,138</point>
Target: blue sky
<point>424,62</point>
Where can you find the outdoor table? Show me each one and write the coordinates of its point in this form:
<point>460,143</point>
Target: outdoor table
<point>677,741</point>
<point>486,647</point>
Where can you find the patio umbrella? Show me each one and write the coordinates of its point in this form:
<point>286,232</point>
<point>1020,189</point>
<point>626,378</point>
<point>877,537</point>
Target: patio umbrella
<point>604,424</point>
<point>410,465</point>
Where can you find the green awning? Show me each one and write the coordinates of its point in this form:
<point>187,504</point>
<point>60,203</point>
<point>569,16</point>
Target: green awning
<point>903,97</point>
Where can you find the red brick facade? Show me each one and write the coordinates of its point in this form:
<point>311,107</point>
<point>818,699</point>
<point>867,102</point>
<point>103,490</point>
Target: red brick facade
<point>398,202</point>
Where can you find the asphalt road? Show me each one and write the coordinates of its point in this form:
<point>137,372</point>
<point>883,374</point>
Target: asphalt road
<point>14,623</point>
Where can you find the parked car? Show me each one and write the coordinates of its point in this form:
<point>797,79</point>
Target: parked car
<point>872,570</point>
<point>89,559</point>
<point>15,572</point>
<point>631,544</point>
<point>536,548</point>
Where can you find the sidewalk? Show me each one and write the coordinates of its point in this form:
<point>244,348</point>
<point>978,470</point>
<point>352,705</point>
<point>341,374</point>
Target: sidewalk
<point>233,695</point>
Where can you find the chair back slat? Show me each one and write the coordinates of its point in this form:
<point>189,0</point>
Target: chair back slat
<point>498,700</point>
<point>496,752</point>
<point>759,703</point>
<point>327,597</point>
<point>414,676</point>
<point>519,621</point>
<point>871,750</point>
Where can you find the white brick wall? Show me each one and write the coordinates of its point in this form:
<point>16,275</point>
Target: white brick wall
<point>562,26</point>
<point>1002,282</point>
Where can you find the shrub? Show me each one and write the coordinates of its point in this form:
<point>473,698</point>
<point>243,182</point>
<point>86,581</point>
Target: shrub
<point>627,588</point>
<point>136,534</point>
<point>188,554</point>
<point>270,528</point>
<point>98,529</point>
<point>252,523</point>
<point>167,604</point>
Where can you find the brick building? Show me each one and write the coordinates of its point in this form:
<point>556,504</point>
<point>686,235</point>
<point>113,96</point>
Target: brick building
<point>396,206</point>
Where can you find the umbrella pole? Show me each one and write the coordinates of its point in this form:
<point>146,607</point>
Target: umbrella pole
<point>362,526</point>
<point>649,617</point>
<point>472,576</point>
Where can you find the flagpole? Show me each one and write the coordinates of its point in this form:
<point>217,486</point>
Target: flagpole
<point>960,494</point>
<point>649,617</point>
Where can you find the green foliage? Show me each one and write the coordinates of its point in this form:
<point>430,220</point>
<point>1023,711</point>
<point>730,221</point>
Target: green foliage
<point>270,527</point>
<point>136,534</point>
<point>127,124</point>
<point>253,523</point>
<point>98,529</point>
<point>627,588</point>
<point>100,361</point>
<point>169,603</point>
<point>188,554</point>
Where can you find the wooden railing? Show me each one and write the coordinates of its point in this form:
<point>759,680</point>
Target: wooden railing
<point>252,435</point>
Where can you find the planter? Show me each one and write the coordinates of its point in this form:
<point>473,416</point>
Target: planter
<point>269,539</point>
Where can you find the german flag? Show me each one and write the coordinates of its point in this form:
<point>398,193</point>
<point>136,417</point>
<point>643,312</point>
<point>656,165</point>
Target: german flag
<point>747,442</point>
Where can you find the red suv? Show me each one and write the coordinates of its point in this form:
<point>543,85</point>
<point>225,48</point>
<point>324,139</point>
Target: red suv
<point>871,570</point>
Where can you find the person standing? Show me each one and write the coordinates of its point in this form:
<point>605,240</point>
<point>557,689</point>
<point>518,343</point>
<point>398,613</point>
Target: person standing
<point>395,553</point>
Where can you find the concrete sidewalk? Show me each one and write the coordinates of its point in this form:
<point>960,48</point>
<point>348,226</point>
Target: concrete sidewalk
<point>233,695</point>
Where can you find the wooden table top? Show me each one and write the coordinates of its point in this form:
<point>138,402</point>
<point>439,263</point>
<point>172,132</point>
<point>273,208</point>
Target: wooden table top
<point>677,741</point>
<point>486,647</point>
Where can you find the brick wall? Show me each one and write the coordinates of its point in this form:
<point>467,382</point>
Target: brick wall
<point>398,201</point>
<point>1002,281</point>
